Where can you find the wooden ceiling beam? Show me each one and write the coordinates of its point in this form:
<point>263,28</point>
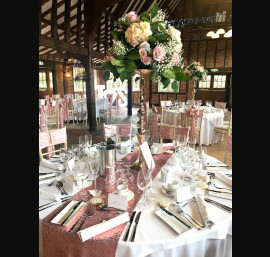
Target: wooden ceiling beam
<point>50,9</point>
<point>54,20</point>
<point>62,46</point>
<point>67,21</point>
<point>79,22</point>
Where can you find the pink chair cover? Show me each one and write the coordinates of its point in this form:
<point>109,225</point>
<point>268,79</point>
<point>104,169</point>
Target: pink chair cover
<point>42,124</point>
<point>220,105</point>
<point>65,109</point>
<point>45,142</point>
<point>109,100</point>
<point>183,119</point>
<point>194,114</point>
<point>191,102</point>
<point>166,131</point>
<point>48,107</point>
<point>155,121</point>
<point>61,115</point>
<point>117,105</point>
<point>55,97</point>
<point>124,130</point>
<point>109,130</point>
<point>183,132</point>
<point>59,136</point>
<point>229,143</point>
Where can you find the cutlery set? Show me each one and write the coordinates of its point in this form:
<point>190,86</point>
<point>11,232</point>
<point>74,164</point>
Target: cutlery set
<point>132,237</point>
<point>47,205</point>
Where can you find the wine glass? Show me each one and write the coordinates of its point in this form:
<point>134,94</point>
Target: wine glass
<point>82,176</point>
<point>88,144</point>
<point>147,172</point>
<point>129,174</point>
<point>64,157</point>
<point>176,140</point>
<point>94,166</point>
<point>142,185</point>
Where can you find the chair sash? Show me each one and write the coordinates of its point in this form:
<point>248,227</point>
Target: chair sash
<point>124,130</point>
<point>166,131</point>
<point>55,97</point>
<point>220,105</point>
<point>182,131</point>
<point>42,122</point>
<point>59,136</point>
<point>48,107</point>
<point>110,100</point>
<point>118,105</point>
<point>109,130</point>
<point>45,142</point>
<point>61,115</point>
<point>65,108</point>
<point>191,102</point>
<point>229,143</point>
<point>194,115</point>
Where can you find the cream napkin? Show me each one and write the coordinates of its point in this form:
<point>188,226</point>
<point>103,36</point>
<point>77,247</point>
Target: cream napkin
<point>97,229</point>
<point>203,211</point>
<point>68,183</point>
<point>48,164</point>
<point>50,193</point>
<point>220,195</point>
<point>223,177</point>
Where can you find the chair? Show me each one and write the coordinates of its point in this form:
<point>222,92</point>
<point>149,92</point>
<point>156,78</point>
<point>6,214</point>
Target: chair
<point>222,130</point>
<point>220,105</point>
<point>191,102</point>
<point>109,130</point>
<point>165,103</point>
<point>124,130</point>
<point>55,97</point>
<point>104,113</point>
<point>194,121</point>
<point>72,110</point>
<point>57,117</point>
<point>49,139</point>
<point>228,148</point>
<point>183,132</point>
<point>166,132</point>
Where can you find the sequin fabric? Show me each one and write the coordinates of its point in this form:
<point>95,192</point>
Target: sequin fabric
<point>60,241</point>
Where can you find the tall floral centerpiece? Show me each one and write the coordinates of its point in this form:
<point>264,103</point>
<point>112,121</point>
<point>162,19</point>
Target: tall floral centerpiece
<point>145,44</point>
<point>196,72</point>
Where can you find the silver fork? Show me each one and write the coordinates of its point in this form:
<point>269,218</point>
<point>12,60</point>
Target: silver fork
<point>88,212</point>
<point>194,222</point>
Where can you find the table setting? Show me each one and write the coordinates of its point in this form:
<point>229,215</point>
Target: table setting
<point>123,208</point>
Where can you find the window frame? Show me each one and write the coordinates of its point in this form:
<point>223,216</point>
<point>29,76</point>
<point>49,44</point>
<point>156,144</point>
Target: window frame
<point>47,77</point>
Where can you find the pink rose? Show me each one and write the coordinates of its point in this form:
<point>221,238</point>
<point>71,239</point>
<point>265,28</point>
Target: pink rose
<point>158,53</point>
<point>144,44</point>
<point>131,17</point>
<point>203,76</point>
<point>142,53</point>
<point>146,60</point>
<point>175,58</point>
<point>109,58</point>
<point>198,63</point>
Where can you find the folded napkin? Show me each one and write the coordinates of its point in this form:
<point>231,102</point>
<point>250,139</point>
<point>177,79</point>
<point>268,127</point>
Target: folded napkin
<point>68,183</point>
<point>223,177</point>
<point>220,195</point>
<point>51,165</point>
<point>203,211</point>
<point>50,193</point>
<point>97,229</point>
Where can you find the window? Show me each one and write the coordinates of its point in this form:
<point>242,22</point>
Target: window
<point>205,84</point>
<point>79,83</point>
<point>42,81</point>
<point>135,84</point>
<point>168,89</point>
<point>219,81</point>
<point>51,80</point>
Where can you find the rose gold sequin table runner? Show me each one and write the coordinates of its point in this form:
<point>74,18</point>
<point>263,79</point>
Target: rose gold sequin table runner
<point>58,241</point>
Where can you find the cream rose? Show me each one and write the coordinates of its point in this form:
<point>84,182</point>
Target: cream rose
<point>174,33</point>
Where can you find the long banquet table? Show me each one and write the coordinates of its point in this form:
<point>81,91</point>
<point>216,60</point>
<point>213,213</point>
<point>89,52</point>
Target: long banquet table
<point>209,122</point>
<point>153,238</point>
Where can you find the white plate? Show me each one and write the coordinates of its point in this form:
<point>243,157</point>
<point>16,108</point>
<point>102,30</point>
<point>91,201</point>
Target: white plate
<point>60,217</point>
<point>130,195</point>
<point>158,152</point>
<point>175,224</point>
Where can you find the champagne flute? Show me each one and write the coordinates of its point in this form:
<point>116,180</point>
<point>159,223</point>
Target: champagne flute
<point>82,176</point>
<point>94,166</point>
<point>142,184</point>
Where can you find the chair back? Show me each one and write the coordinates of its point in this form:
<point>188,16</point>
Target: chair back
<point>55,97</point>
<point>49,139</point>
<point>165,103</point>
<point>109,130</point>
<point>194,120</point>
<point>220,105</point>
<point>124,130</point>
<point>191,102</point>
<point>166,131</point>
<point>183,132</point>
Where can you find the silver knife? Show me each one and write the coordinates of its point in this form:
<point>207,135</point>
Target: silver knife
<point>220,205</point>
<point>130,223</point>
<point>73,209</point>
<point>223,192</point>
<point>136,222</point>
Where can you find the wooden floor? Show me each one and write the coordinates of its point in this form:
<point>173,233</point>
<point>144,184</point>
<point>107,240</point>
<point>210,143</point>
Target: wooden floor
<point>73,133</point>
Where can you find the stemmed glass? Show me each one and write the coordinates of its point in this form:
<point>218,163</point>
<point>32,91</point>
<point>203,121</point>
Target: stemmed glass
<point>176,140</point>
<point>143,184</point>
<point>147,172</point>
<point>94,166</point>
<point>82,176</point>
<point>88,144</point>
<point>128,173</point>
<point>64,157</point>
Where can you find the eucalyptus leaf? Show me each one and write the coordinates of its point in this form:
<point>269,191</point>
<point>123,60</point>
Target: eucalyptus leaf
<point>177,69</point>
<point>169,74</point>
<point>163,37</point>
<point>152,40</point>
<point>106,75</point>
<point>180,76</point>
<point>174,86</point>
<point>165,82</point>
<point>145,16</point>
<point>154,10</point>
<point>117,62</point>
<point>134,55</point>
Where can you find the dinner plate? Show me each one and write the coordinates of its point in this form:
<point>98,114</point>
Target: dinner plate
<point>130,195</point>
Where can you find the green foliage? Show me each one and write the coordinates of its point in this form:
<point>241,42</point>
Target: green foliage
<point>165,82</point>
<point>145,16</point>
<point>180,76</point>
<point>134,55</point>
<point>174,86</point>
<point>169,74</point>
<point>106,75</point>
<point>154,11</point>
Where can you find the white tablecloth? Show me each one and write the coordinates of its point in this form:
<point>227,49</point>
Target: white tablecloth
<point>209,121</point>
<point>101,104</point>
<point>155,239</point>
<point>80,106</point>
